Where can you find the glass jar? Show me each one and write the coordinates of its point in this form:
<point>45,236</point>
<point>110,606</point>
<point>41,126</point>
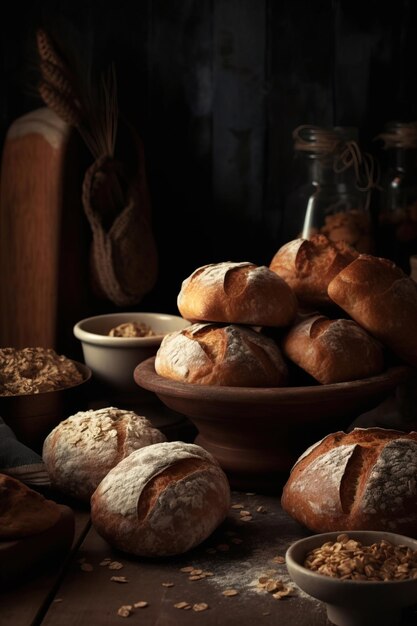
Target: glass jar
<point>330,197</point>
<point>397,220</point>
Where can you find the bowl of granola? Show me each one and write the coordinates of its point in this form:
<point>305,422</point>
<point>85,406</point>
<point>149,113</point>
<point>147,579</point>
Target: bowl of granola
<point>366,578</point>
<point>39,388</point>
<point>113,344</point>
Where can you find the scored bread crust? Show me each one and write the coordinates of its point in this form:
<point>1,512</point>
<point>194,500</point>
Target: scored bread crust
<point>308,265</point>
<point>161,500</point>
<point>382,299</point>
<point>237,293</point>
<point>80,451</point>
<point>333,351</point>
<point>362,480</point>
<point>209,354</point>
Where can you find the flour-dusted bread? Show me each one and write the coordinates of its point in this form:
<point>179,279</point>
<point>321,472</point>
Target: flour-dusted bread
<point>80,451</point>
<point>161,500</point>
<point>23,511</point>
<point>209,354</point>
<point>363,480</point>
<point>237,293</point>
<point>333,351</point>
<point>381,298</point>
<point>308,265</point>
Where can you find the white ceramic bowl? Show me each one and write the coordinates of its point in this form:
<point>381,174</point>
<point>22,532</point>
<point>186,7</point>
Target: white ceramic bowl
<point>354,602</point>
<point>113,359</point>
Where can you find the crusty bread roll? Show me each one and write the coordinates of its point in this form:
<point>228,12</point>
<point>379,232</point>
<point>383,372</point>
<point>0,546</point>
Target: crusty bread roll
<point>80,451</point>
<point>333,351</point>
<point>24,512</point>
<point>161,500</point>
<point>237,293</point>
<point>381,298</point>
<point>363,480</point>
<point>308,265</point>
<point>209,354</point>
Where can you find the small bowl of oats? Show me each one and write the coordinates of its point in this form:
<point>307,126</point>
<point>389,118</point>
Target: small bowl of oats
<point>39,388</point>
<point>366,578</point>
<point>113,344</point>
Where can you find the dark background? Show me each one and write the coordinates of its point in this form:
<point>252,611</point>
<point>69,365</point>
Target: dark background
<point>215,89</point>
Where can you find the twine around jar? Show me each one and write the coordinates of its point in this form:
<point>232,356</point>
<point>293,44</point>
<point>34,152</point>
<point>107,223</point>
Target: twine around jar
<point>346,154</point>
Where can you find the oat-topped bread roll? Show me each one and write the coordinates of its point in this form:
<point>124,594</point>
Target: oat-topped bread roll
<point>381,298</point>
<point>363,480</point>
<point>24,512</point>
<point>209,354</point>
<point>80,451</point>
<point>308,265</point>
<point>237,293</point>
<point>333,351</point>
<point>161,500</point>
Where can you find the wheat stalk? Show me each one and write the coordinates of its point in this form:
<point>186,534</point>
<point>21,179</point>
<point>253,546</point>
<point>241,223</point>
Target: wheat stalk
<point>96,122</point>
<point>47,50</point>
<point>61,105</point>
<point>54,75</point>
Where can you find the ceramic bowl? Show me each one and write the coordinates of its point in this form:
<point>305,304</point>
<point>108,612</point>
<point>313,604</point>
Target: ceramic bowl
<point>113,359</point>
<point>256,434</point>
<point>354,602</point>
<point>33,416</point>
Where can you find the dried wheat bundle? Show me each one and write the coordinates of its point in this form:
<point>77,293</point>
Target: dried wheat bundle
<point>96,121</point>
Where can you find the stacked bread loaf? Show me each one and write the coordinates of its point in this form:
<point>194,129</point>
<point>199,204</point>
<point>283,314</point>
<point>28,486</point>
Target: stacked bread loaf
<point>227,302</point>
<point>339,314</point>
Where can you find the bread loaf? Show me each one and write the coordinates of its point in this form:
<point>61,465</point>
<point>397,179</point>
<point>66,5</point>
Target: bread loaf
<point>80,451</point>
<point>209,354</point>
<point>161,500</point>
<point>237,293</point>
<point>363,480</point>
<point>308,265</point>
<point>24,512</point>
<point>333,351</point>
<point>381,298</point>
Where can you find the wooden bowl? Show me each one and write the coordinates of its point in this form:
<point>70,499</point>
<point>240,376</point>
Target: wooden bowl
<point>257,434</point>
<point>33,416</point>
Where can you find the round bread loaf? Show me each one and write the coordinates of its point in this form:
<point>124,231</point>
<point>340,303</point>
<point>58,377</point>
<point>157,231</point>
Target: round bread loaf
<point>333,351</point>
<point>363,480</point>
<point>209,354</point>
<point>161,500</point>
<point>237,293</point>
<point>80,451</point>
<point>24,512</point>
<point>381,298</point>
<point>308,265</point>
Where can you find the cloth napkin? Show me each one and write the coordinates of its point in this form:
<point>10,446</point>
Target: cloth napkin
<point>19,461</point>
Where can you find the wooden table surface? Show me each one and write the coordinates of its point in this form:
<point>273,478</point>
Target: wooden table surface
<point>81,591</point>
<point>78,591</point>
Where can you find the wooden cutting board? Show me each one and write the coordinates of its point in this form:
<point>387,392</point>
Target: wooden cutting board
<point>40,211</point>
<point>26,557</point>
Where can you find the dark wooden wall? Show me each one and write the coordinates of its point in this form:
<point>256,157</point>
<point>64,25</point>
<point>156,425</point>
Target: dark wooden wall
<point>215,88</point>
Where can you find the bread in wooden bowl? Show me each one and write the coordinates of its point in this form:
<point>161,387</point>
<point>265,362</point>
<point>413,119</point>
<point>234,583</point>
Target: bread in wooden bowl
<point>333,351</point>
<point>230,355</point>
<point>380,297</point>
<point>308,265</point>
<point>237,293</point>
<point>362,480</point>
<point>161,500</point>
